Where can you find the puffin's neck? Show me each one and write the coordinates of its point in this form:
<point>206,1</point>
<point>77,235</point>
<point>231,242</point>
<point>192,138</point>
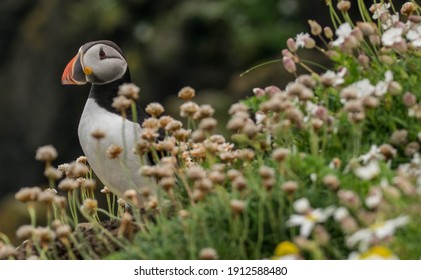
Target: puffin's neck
<point>103,94</point>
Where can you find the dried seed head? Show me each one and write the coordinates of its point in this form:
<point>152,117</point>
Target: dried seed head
<point>46,153</point>
<point>188,109</point>
<point>28,194</point>
<point>316,29</point>
<point>121,103</point>
<point>269,183</point>
<point>129,90</point>
<point>89,184</point>
<point>89,206</point>
<point>399,137</point>
<point>408,9</point>
<point>405,185</point>
<point>280,154</point>
<point>208,124</point>
<point>344,5</point>
<point>198,136</point>
<point>7,251</point>
<point>186,93</point>
<point>332,182</point>
<point>196,173</point>
<point>233,174</point>
<point>147,170</point>
<point>173,125</point>
<point>63,168</point>
<point>364,60</point>
<point>239,183</point>
<point>217,177</point>
<point>154,109</point>
<point>409,99</point>
<point>237,206</point>
<point>237,108</point>
<point>349,225</point>
<point>198,195</point>
<point>182,134</point>
<point>121,202</point>
<point>204,185</point>
<point>205,111</point>
<point>266,172</point>
<point>208,254</point>
<point>321,235</point>
<point>82,160</point>
<point>68,185</point>
<point>349,198</point>
<point>164,121</point>
<point>46,197</point>
<point>149,134</point>
<point>98,134</point>
<point>113,151</point>
<point>77,170</point>
<point>412,148</point>
<point>44,236</point>
<point>289,187</point>
<point>53,173</point>
<point>328,32</point>
<point>63,231</point>
<point>367,28</point>
<point>25,232</point>
<point>236,123</point>
<point>167,183</point>
<point>61,202</point>
<point>316,123</point>
<point>246,154</point>
<point>183,214</point>
<point>387,151</point>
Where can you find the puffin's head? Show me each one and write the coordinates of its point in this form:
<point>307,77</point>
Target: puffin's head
<point>98,62</point>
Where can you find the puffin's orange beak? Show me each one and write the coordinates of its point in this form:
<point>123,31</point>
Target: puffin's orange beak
<point>73,73</point>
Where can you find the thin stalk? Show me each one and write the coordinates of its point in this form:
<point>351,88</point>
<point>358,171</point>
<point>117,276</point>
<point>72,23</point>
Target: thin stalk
<point>260,65</point>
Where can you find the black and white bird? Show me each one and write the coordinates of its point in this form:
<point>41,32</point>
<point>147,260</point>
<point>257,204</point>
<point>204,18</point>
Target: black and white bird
<point>103,64</point>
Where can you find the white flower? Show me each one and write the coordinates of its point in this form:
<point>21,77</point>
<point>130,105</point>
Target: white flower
<point>343,31</point>
<point>374,153</point>
<point>363,88</point>
<point>301,205</point>
<point>390,21</point>
<point>377,232</point>
<point>383,86</point>
<point>392,36</point>
<point>414,35</point>
<point>369,171</point>
<point>333,78</point>
<point>310,219</point>
<point>340,214</point>
<point>300,39</point>
<point>373,198</point>
<point>379,9</point>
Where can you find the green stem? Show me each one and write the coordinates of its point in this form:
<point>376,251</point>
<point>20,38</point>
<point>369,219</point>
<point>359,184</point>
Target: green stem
<point>260,65</point>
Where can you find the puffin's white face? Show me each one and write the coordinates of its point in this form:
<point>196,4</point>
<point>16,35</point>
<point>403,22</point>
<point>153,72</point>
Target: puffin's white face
<point>97,62</point>
<point>102,64</point>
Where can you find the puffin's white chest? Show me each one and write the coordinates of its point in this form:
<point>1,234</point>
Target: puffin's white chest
<point>118,174</point>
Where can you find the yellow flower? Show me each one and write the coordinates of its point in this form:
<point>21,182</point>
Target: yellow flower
<point>374,253</point>
<point>286,250</point>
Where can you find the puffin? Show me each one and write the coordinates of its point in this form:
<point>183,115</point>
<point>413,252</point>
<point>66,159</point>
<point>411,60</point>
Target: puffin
<point>103,65</point>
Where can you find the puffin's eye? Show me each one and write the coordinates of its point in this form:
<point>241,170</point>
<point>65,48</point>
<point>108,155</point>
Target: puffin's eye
<point>102,54</point>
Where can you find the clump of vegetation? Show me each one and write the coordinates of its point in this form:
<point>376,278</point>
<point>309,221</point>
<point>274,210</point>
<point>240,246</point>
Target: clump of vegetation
<point>327,168</point>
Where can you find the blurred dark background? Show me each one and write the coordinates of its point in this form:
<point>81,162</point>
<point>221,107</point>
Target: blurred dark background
<point>168,44</point>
